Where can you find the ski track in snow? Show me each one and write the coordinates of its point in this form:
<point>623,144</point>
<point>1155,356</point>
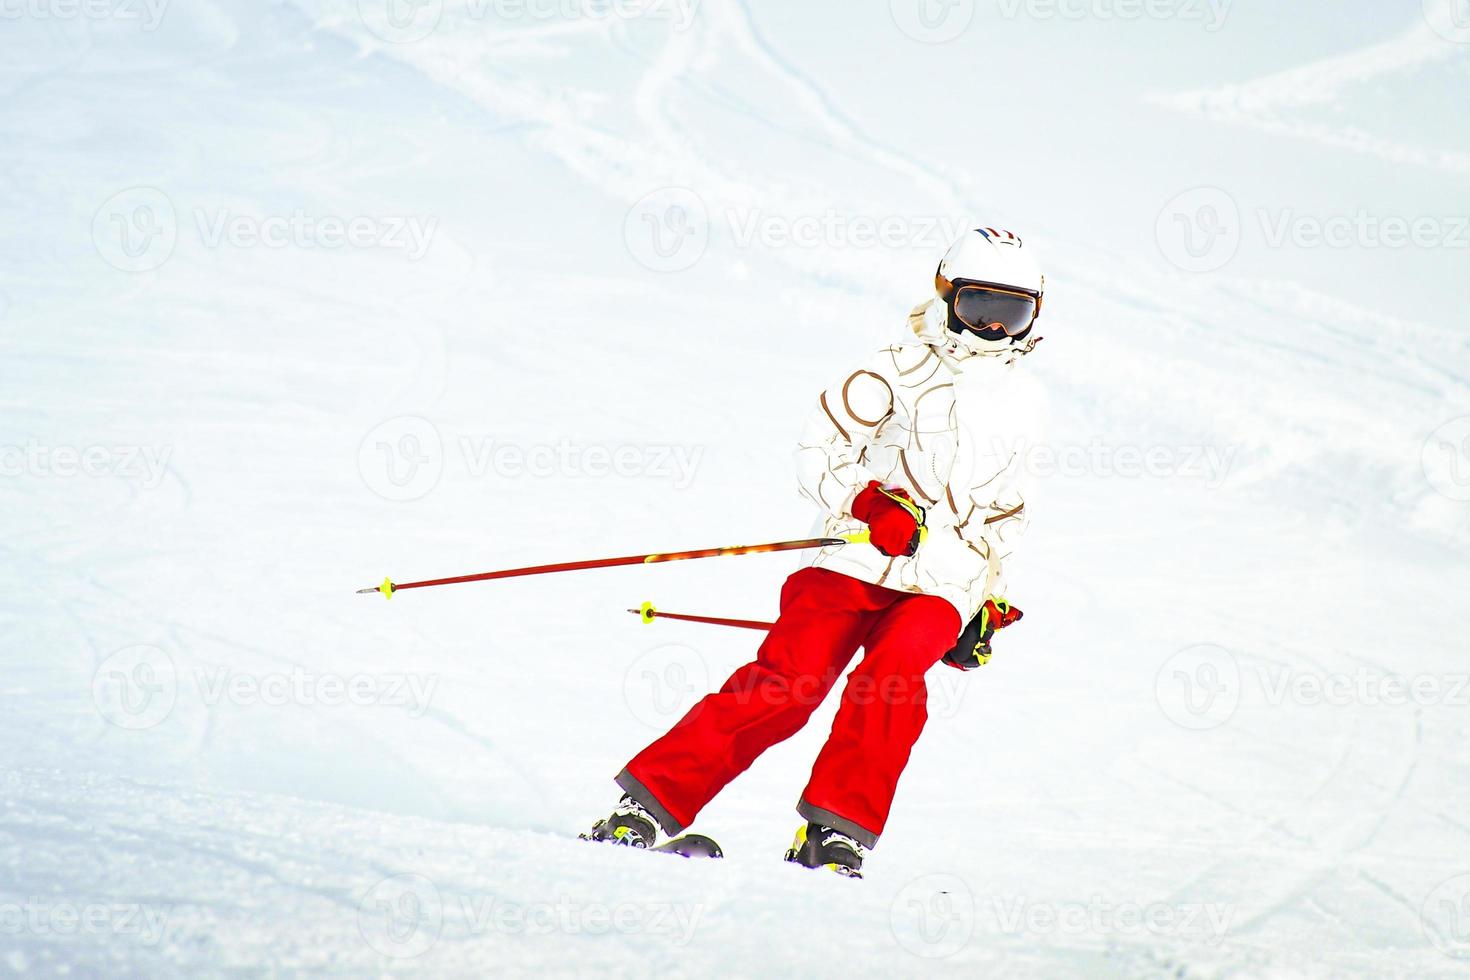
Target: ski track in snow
<point>1266,103</point>
<point>348,841</point>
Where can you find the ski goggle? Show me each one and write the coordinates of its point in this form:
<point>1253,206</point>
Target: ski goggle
<point>992,312</point>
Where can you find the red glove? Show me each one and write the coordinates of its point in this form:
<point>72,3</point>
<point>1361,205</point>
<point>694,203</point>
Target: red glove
<point>895,522</point>
<point>973,649</point>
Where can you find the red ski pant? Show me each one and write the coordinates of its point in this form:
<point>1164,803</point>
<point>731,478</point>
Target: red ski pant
<point>825,617</point>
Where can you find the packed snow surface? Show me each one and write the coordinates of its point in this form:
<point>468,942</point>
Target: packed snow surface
<point>297,295</point>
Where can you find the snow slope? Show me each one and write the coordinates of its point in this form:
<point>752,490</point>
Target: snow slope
<point>605,264</point>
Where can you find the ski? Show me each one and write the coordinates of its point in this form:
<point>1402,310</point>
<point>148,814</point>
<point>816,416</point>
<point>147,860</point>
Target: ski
<point>687,845</point>
<point>691,846</point>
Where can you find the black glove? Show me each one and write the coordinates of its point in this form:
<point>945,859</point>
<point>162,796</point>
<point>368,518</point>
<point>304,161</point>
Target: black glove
<point>973,649</point>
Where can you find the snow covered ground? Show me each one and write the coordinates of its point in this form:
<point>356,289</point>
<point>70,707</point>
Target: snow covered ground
<point>296,295</point>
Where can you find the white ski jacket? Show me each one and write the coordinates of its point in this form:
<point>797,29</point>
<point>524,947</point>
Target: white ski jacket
<point>955,434</point>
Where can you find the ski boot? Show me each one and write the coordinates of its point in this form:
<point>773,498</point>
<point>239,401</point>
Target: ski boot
<point>630,824</point>
<point>822,847</point>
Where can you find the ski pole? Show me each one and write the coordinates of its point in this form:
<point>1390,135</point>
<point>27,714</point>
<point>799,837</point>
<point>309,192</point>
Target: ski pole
<point>389,586</point>
<point>648,614</point>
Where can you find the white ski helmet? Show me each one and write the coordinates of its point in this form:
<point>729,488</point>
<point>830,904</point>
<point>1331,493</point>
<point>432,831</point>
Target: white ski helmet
<point>990,293</point>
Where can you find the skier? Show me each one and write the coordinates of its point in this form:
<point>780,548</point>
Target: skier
<point>912,449</point>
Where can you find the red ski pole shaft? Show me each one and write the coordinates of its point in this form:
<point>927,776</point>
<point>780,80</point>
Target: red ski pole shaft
<point>389,586</point>
<point>648,614</point>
